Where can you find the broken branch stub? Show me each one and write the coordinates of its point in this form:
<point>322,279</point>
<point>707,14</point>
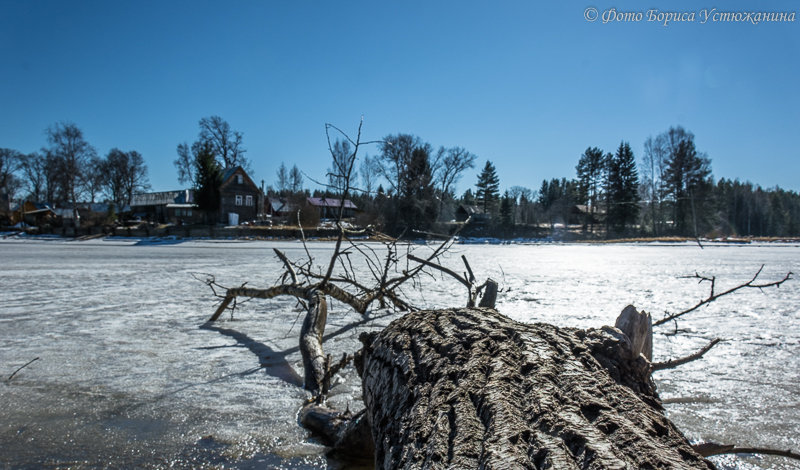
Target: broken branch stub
<point>638,326</point>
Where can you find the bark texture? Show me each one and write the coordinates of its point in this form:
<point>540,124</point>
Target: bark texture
<point>470,388</point>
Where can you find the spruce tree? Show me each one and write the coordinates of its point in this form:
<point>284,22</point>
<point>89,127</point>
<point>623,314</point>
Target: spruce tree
<point>208,179</point>
<point>507,211</point>
<point>622,189</point>
<point>590,171</point>
<point>686,175</point>
<point>417,208</point>
<point>488,188</point>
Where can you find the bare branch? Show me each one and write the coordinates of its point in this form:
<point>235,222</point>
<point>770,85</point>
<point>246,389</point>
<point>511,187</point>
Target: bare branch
<point>707,449</point>
<point>442,269</point>
<point>288,265</point>
<point>24,366</point>
<point>713,296</point>
<point>673,363</point>
<point>469,269</point>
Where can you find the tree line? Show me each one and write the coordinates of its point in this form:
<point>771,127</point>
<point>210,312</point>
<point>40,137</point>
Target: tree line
<point>68,171</point>
<point>409,186</point>
<point>668,191</point>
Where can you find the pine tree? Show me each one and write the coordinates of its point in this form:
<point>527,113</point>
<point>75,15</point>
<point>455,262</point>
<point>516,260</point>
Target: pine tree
<point>417,208</point>
<point>686,176</point>
<point>590,171</point>
<point>488,188</point>
<point>468,198</point>
<point>507,210</point>
<point>208,179</point>
<point>622,189</point>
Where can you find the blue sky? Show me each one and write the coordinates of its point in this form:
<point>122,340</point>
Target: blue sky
<point>527,85</point>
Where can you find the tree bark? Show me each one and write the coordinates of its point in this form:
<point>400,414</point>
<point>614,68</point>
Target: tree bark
<point>314,362</point>
<point>470,388</point>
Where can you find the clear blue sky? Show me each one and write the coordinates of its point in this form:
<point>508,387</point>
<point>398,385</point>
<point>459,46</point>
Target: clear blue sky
<point>527,85</point>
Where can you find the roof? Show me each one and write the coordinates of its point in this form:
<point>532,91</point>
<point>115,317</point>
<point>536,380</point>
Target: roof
<point>227,177</point>
<point>331,202</point>
<point>181,196</point>
<point>229,172</point>
<point>278,205</point>
<point>470,209</point>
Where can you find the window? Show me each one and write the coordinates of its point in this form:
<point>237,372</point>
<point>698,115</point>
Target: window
<point>238,199</point>
<point>248,201</point>
<point>239,180</point>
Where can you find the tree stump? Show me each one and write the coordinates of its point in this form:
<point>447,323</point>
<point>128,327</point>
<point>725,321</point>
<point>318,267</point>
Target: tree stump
<point>471,388</point>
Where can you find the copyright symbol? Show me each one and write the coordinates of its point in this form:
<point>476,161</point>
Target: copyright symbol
<point>590,14</point>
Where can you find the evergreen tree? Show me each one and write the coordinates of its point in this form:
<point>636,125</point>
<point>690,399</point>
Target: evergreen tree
<point>622,189</point>
<point>590,171</point>
<point>207,181</point>
<point>686,180</point>
<point>417,208</point>
<point>507,211</point>
<point>468,199</point>
<point>488,188</point>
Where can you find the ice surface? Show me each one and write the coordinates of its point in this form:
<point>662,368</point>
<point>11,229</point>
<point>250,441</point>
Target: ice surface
<point>129,376</point>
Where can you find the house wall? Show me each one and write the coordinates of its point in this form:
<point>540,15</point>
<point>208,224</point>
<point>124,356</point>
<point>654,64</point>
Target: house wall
<point>228,201</point>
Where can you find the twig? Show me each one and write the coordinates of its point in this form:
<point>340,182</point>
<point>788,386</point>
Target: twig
<point>672,363</point>
<point>713,296</point>
<point>707,449</point>
<point>442,269</point>
<point>26,365</point>
<point>288,265</point>
<point>469,269</point>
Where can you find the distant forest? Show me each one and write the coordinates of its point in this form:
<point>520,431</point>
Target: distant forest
<point>408,187</point>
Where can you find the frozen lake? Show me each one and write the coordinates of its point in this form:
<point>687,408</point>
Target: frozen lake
<point>128,376</point>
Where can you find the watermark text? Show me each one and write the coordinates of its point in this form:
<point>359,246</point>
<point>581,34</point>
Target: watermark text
<point>703,16</point>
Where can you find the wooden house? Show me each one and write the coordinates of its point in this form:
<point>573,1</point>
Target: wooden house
<point>329,207</point>
<point>240,197</point>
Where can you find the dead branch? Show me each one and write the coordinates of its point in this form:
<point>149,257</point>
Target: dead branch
<point>707,449</point>
<point>442,269</point>
<point>672,363</point>
<point>714,296</point>
<point>315,363</point>
<point>489,296</point>
<point>288,265</point>
<point>24,366</point>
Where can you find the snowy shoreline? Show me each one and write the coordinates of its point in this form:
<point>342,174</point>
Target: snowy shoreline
<point>174,239</point>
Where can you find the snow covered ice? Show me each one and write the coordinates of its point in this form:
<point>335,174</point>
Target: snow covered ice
<point>129,375</point>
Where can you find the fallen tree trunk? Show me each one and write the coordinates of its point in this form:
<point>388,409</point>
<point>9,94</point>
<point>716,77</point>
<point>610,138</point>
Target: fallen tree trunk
<point>471,388</point>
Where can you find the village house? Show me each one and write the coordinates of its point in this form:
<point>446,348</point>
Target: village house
<point>240,197</point>
<point>175,207</point>
<point>240,200</point>
<point>329,207</point>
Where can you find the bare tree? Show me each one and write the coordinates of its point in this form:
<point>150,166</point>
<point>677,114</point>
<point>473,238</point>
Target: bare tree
<point>295,179</point>
<point>125,174</point>
<point>94,178</point>
<point>10,162</point>
<point>653,167</point>
<point>71,155</point>
<point>395,157</point>
<point>283,178</point>
<point>225,143</point>
<point>341,153</point>
<point>39,175</point>
<point>369,171</point>
<point>448,166</point>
